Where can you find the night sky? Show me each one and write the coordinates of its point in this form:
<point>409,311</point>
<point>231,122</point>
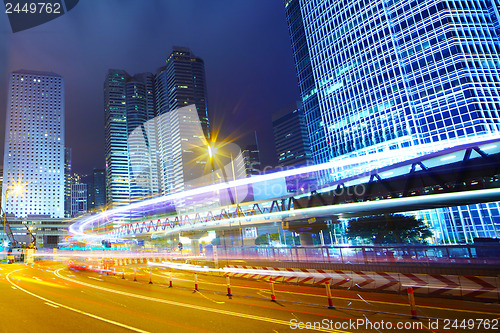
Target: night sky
<point>245,45</point>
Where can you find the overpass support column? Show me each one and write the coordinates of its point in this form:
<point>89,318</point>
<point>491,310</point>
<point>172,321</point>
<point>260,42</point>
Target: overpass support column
<point>306,239</point>
<point>307,228</point>
<point>195,240</point>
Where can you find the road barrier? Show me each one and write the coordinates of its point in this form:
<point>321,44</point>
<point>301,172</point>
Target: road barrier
<point>273,292</point>
<point>429,284</point>
<point>329,295</point>
<point>467,286</point>
<point>411,300</point>
<point>228,286</point>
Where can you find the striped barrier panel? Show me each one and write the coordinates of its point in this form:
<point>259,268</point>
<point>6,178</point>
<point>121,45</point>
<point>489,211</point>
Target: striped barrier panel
<point>429,284</point>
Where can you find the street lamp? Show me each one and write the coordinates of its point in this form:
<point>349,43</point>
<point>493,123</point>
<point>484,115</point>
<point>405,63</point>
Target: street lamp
<point>17,188</point>
<point>233,198</point>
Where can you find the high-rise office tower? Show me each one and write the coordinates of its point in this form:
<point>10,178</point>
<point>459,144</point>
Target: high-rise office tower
<point>141,133</point>
<point>136,144</point>
<point>79,199</point>
<point>181,149</point>
<point>130,147</point>
<point>307,84</point>
<point>394,74</point>
<point>181,82</point>
<point>291,137</point>
<point>116,137</point>
<point>390,74</point>
<point>252,159</point>
<point>67,182</point>
<point>98,188</point>
<point>34,145</point>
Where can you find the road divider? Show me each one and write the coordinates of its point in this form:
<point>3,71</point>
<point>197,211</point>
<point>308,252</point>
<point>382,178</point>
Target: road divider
<point>427,284</point>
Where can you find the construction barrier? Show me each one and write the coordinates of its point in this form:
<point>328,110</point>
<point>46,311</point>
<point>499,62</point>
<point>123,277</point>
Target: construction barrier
<point>428,284</point>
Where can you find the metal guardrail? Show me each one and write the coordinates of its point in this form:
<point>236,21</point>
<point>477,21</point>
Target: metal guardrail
<point>397,254</point>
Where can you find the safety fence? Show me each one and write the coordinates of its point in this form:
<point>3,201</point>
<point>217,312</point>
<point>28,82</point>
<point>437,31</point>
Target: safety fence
<point>417,254</point>
<point>467,286</point>
<point>429,284</point>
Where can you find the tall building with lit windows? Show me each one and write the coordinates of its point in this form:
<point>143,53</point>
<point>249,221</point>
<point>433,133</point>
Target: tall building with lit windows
<point>307,85</point>
<point>139,139</point>
<point>290,136</point>
<point>131,167</point>
<point>400,73</point>
<point>34,145</point>
<point>181,82</point>
<point>116,137</point>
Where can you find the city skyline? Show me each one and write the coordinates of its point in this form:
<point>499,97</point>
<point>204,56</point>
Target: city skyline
<point>249,67</point>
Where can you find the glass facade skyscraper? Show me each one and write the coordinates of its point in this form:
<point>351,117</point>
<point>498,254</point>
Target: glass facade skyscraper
<point>130,147</point>
<point>290,136</point>
<point>309,92</point>
<point>390,74</point>
<point>181,82</point>
<point>116,137</point>
<point>399,73</point>
<point>138,149</point>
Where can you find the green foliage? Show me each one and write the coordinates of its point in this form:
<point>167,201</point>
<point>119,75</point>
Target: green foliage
<point>388,229</point>
<point>266,238</point>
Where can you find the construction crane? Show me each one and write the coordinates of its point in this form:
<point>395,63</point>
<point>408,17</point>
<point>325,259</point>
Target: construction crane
<point>14,244</point>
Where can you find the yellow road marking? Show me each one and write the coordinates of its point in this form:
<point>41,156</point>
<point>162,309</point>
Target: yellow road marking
<point>73,309</point>
<point>354,299</point>
<point>191,306</point>
<point>217,302</point>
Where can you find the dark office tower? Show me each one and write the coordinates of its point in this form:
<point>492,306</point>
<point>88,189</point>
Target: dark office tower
<point>140,105</point>
<point>98,188</point>
<point>181,83</point>
<point>307,84</point>
<point>116,137</point>
<point>67,182</point>
<point>290,136</point>
<point>251,159</point>
<point>131,161</point>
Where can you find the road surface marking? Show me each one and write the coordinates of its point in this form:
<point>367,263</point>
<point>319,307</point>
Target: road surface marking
<point>91,277</point>
<point>349,299</point>
<point>73,309</point>
<point>52,305</point>
<point>191,306</point>
<point>217,302</point>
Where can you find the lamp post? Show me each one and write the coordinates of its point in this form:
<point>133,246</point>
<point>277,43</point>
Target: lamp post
<point>17,188</point>
<point>233,198</point>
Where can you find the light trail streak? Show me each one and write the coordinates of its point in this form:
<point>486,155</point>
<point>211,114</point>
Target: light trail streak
<point>403,204</point>
<point>79,227</point>
<point>188,267</point>
<point>46,300</point>
<point>191,306</point>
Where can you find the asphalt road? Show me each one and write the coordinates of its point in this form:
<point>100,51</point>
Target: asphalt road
<point>50,297</point>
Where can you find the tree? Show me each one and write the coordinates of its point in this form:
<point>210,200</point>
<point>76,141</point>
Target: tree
<point>388,229</point>
<point>264,239</point>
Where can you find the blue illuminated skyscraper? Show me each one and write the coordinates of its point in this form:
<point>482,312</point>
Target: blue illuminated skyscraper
<point>310,104</point>
<point>400,73</point>
<point>389,74</point>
